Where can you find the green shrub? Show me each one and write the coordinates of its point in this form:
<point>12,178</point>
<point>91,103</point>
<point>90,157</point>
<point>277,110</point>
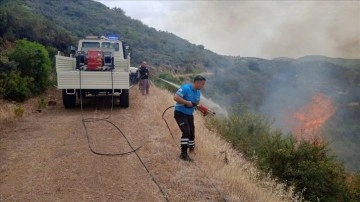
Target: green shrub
<point>24,70</point>
<point>181,79</point>
<point>306,166</point>
<point>354,187</point>
<point>33,62</point>
<point>169,77</point>
<point>41,102</point>
<point>19,111</point>
<point>3,85</point>
<point>17,87</point>
<point>161,84</point>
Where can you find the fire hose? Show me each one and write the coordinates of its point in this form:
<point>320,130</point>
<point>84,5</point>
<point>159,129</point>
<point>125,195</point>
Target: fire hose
<point>106,119</point>
<point>201,108</point>
<point>205,111</point>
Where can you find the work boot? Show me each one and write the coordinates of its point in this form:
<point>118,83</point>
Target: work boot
<point>185,157</point>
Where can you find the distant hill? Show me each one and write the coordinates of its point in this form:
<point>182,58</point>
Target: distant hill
<point>273,87</point>
<point>62,24</point>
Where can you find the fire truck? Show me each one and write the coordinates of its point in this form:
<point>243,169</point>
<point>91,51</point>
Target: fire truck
<point>99,66</point>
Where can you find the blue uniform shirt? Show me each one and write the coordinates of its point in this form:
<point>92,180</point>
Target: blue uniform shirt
<point>187,93</point>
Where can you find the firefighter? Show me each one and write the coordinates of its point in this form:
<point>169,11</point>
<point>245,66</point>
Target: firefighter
<point>187,97</point>
<point>144,78</point>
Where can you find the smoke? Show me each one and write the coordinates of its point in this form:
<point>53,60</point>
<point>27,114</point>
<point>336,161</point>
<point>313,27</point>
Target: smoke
<point>326,28</point>
<point>271,29</point>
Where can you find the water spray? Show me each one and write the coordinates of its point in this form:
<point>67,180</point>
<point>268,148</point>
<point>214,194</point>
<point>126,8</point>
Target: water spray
<point>204,110</point>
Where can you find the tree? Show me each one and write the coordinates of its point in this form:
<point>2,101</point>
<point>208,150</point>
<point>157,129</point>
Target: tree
<point>119,10</point>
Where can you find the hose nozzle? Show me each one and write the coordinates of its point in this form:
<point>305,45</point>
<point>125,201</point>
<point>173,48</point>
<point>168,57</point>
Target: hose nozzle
<point>204,110</point>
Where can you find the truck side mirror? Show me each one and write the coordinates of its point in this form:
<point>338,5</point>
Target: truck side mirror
<point>128,50</point>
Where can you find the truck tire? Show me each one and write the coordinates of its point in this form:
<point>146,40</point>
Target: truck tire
<point>124,98</point>
<point>69,101</point>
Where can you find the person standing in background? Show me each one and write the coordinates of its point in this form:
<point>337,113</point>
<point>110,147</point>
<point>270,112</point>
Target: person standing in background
<point>138,77</point>
<point>144,78</point>
<point>133,75</point>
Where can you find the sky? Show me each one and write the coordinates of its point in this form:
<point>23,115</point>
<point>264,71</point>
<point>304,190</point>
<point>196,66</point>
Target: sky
<point>266,29</point>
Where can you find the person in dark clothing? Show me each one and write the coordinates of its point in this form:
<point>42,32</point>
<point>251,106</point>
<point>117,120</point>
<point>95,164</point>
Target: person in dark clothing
<point>144,78</point>
<point>187,97</point>
<point>133,75</point>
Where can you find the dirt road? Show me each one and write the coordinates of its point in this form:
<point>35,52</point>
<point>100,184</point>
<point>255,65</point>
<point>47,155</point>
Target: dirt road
<point>45,156</point>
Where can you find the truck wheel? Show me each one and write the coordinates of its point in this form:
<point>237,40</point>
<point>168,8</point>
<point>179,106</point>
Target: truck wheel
<point>69,101</point>
<point>124,98</point>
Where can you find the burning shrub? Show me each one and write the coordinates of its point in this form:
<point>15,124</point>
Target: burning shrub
<point>354,187</point>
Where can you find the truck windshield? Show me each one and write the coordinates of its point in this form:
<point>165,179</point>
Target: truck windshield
<point>87,44</point>
<point>110,45</point>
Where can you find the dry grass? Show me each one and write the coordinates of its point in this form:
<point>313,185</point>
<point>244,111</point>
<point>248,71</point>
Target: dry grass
<point>242,181</point>
<point>237,178</point>
<point>8,109</point>
<point>62,151</point>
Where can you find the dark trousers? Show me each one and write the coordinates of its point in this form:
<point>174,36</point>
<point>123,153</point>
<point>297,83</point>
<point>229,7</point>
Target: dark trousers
<point>186,125</point>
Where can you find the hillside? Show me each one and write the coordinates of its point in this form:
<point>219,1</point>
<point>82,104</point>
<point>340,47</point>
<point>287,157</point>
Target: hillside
<point>295,93</point>
<point>35,20</point>
<point>45,157</point>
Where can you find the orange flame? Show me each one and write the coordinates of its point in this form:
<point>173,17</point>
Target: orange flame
<point>310,119</point>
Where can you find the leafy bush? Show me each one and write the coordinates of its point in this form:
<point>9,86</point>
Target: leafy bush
<point>42,102</point>
<point>6,66</point>
<point>19,111</point>
<point>354,187</point>
<point>34,62</point>
<point>306,166</point>
<point>182,79</point>
<point>25,71</point>
<point>17,87</point>
<point>161,84</point>
<point>169,77</point>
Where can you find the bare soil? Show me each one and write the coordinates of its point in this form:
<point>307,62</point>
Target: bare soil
<point>44,156</point>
